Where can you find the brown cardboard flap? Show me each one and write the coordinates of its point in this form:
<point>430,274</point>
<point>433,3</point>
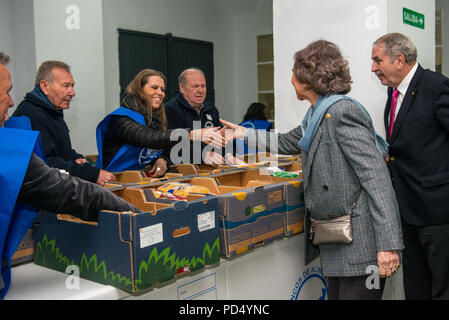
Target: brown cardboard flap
<point>190,168</point>
<point>133,176</point>
<point>257,183</point>
<point>243,178</point>
<point>213,186</point>
<point>137,198</point>
<point>68,217</point>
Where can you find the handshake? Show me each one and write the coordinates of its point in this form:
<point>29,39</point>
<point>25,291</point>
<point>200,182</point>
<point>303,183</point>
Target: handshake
<point>219,138</point>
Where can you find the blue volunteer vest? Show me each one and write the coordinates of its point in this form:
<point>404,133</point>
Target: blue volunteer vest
<point>242,148</point>
<point>256,124</point>
<point>23,122</point>
<point>16,148</point>
<point>129,157</point>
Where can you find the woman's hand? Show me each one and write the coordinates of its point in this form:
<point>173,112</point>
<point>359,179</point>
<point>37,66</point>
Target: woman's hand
<point>238,131</point>
<point>210,136</point>
<point>159,168</point>
<point>388,262</point>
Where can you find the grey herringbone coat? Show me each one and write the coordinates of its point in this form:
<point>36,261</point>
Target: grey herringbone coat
<point>344,173</point>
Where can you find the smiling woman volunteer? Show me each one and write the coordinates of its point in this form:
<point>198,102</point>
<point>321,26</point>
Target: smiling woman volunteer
<point>135,136</point>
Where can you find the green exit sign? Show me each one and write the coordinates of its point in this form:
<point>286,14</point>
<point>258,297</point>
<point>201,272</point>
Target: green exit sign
<point>413,18</point>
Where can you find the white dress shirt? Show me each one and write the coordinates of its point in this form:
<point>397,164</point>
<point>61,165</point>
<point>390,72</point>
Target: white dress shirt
<point>403,86</point>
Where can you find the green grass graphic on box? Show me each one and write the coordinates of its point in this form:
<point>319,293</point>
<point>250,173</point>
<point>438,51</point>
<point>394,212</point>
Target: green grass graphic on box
<point>159,267</point>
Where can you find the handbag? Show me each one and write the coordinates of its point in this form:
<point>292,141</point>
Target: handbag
<point>337,230</point>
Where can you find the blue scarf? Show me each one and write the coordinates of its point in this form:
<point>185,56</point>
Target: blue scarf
<point>314,116</point>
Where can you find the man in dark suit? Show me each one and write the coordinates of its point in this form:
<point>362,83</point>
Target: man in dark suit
<point>417,128</point>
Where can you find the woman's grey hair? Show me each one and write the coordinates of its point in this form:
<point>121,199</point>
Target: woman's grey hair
<point>4,58</point>
<point>182,79</point>
<point>44,71</point>
<point>395,44</point>
<point>321,66</point>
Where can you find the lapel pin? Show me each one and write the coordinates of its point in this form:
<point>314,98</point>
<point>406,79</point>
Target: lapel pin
<point>413,93</point>
<point>328,116</point>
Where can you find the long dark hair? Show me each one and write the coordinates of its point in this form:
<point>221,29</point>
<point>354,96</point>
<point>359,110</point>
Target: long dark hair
<point>256,111</point>
<point>135,88</point>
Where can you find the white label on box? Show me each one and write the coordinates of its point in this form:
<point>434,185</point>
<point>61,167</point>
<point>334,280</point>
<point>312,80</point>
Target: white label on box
<point>151,235</point>
<point>206,221</point>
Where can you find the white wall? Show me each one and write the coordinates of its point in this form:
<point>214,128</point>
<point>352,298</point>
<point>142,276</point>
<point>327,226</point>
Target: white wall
<point>82,49</point>
<point>6,38</point>
<point>353,25</point>
<point>238,68</point>
<point>444,6</point>
<point>24,47</point>
<point>424,39</point>
<point>17,41</point>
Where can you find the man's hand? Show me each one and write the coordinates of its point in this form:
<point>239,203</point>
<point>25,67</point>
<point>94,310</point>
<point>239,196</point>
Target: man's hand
<point>388,262</point>
<point>81,160</point>
<point>159,168</point>
<point>105,177</point>
<point>209,136</point>
<point>213,159</point>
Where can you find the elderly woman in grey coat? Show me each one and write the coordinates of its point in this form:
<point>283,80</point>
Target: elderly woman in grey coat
<point>343,174</point>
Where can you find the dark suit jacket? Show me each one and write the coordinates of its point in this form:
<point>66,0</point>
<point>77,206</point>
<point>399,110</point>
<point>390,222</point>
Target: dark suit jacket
<point>419,150</point>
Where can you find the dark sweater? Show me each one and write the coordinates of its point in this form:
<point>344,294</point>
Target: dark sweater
<point>180,114</point>
<point>55,135</point>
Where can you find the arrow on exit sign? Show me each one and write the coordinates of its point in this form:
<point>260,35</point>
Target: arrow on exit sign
<point>413,18</point>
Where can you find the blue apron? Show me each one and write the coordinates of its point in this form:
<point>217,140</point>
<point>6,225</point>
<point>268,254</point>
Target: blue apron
<point>242,148</point>
<point>23,122</point>
<point>256,124</point>
<point>129,157</point>
<point>16,148</point>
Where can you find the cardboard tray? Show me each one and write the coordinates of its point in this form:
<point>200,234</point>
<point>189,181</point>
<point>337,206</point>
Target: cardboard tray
<point>133,251</point>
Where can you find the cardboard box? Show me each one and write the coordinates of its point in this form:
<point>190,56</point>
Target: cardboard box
<point>294,205</point>
<point>293,192</point>
<point>189,169</point>
<point>250,211</point>
<point>139,176</point>
<point>25,251</point>
<point>266,157</point>
<point>133,251</point>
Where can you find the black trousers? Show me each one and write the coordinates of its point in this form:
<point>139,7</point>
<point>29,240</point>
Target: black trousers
<point>426,262</point>
<point>353,288</point>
